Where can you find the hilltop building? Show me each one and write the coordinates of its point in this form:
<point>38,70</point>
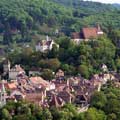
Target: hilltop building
<point>86,34</point>
<point>45,45</point>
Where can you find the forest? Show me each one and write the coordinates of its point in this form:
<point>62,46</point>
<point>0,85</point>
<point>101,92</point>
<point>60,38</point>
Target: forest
<point>32,16</point>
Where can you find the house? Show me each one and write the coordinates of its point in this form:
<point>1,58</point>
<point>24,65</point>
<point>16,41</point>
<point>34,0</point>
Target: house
<point>13,72</point>
<point>66,96</point>
<point>104,68</point>
<point>34,71</point>
<point>86,34</point>
<point>60,75</point>
<point>56,101</point>
<point>45,45</point>
<point>40,82</point>
<point>81,99</point>
<point>17,95</point>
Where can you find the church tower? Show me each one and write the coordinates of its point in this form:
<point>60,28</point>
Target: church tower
<point>6,66</point>
<point>2,95</point>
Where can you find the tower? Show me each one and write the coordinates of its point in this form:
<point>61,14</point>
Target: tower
<point>6,66</point>
<point>2,95</point>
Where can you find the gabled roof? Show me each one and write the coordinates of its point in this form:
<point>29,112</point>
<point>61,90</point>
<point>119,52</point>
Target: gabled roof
<point>89,33</point>
<point>56,101</point>
<point>39,80</point>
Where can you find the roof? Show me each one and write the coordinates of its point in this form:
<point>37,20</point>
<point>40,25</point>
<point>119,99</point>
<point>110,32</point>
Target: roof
<point>89,33</point>
<point>77,35</point>
<point>56,101</point>
<point>12,86</point>
<point>17,68</point>
<point>39,80</point>
<point>34,97</point>
<point>44,42</point>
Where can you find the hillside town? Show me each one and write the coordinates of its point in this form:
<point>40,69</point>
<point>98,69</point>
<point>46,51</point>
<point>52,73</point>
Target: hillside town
<point>59,60</point>
<point>48,93</point>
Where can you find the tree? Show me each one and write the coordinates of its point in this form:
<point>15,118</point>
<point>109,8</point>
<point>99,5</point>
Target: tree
<point>98,100</point>
<point>5,114</point>
<point>46,115</point>
<point>53,64</point>
<point>54,52</point>
<point>83,70</point>
<point>94,114</point>
<point>7,37</point>
<point>47,74</point>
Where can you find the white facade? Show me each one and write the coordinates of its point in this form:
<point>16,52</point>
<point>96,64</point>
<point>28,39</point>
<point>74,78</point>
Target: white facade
<point>45,46</point>
<point>15,71</point>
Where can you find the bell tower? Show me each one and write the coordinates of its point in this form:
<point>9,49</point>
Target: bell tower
<point>2,95</point>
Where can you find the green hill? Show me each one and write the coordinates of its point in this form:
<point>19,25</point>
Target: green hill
<point>44,16</point>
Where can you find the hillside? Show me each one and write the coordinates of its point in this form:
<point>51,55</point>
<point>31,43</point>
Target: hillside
<point>88,6</point>
<point>44,17</point>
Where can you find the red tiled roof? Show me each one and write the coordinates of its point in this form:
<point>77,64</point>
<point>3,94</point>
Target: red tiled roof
<point>89,33</point>
<point>39,80</point>
<point>12,86</point>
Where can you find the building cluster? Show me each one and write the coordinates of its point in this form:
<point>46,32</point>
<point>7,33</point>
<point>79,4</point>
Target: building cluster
<point>57,92</point>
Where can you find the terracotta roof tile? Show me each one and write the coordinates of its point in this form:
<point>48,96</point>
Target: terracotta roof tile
<point>89,33</point>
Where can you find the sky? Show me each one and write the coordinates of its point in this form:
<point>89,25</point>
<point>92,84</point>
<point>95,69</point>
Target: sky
<point>106,1</point>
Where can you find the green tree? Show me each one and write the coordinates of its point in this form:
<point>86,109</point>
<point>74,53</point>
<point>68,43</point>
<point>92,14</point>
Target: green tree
<point>83,70</point>
<point>98,100</point>
<point>47,74</point>
<point>5,114</point>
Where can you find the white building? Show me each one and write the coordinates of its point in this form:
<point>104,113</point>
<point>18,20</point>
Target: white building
<point>45,45</point>
<point>15,71</point>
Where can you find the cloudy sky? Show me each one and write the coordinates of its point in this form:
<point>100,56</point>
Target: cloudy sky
<point>106,1</point>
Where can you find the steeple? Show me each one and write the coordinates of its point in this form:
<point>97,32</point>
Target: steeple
<point>2,95</point>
